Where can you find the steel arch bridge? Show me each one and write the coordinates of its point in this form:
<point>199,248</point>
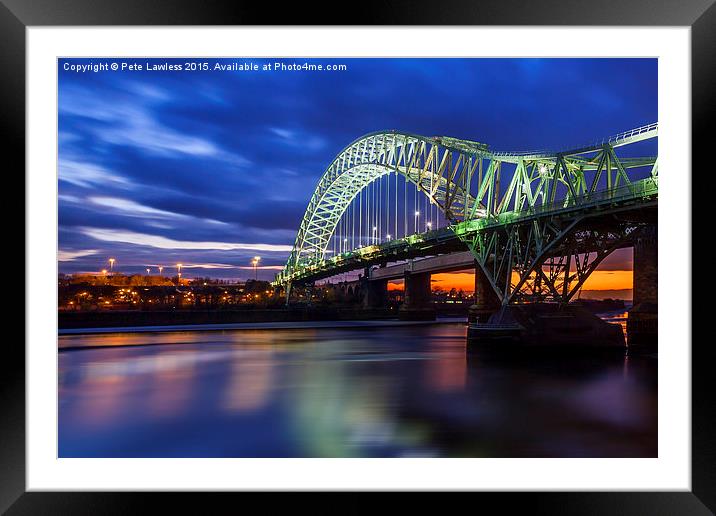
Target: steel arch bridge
<point>533,232</point>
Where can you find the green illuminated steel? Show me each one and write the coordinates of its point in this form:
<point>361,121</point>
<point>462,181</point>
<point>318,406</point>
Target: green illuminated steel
<point>438,167</point>
<point>510,228</point>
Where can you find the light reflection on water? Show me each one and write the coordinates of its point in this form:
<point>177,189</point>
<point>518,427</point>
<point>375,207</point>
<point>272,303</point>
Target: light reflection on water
<point>381,392</point>
<point>616,317</point>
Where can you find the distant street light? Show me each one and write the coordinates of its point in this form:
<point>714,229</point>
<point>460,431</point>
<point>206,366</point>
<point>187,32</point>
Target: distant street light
<point>255,263</point>
<point>374,230</point>
<point>160,270</point>
<point>388,236</point>
<point>147,271</point>
<point>178,273</point>
<point>345,244</point>
<point>111,264</point>
<point>429,225</point>
<point>415,226</point>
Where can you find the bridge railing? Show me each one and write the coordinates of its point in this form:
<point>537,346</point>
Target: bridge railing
<point>631,133</point>
<point>614,139</point>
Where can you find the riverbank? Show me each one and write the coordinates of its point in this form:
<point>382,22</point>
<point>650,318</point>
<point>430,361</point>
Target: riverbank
<point>120,318</point>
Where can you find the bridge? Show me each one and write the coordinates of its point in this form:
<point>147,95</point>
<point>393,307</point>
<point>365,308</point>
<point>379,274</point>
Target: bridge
<point>536,223</point>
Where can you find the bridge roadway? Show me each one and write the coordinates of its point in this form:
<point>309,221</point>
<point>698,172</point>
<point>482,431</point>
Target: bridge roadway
<point>442,263</point>
<point>441,241</point>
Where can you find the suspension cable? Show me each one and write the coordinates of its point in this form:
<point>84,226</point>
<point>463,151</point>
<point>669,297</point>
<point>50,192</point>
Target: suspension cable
<point>405,207</point>
<point>396,202</point>
<point>360,218</point>
<point>380,206</point>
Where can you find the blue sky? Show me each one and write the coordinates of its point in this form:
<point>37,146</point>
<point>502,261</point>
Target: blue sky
<point>210,168</point>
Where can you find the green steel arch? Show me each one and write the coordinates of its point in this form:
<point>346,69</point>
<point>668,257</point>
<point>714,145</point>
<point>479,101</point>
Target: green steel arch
<point>462,178</point>
<point>426,162</point>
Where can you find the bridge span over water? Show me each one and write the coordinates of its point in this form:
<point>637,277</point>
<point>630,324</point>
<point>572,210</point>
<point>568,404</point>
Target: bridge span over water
<point>535,224</point>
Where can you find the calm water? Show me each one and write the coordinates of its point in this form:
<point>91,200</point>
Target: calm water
<point>383,392</point>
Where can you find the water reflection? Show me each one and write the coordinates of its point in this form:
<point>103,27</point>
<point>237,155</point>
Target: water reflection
<point>380,392</point>
<point>250,382</point>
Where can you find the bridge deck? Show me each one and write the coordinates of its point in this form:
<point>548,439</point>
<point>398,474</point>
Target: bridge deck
<point>442,263</point>
<point>635,196</point>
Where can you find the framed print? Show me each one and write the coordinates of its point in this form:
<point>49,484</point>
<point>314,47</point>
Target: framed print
<point>273,253</point>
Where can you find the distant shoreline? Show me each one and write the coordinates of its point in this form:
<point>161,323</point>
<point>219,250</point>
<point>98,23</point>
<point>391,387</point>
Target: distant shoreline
<point>134,318</point>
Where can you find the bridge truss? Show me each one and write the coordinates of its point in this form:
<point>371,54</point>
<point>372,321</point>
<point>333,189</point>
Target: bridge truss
<point>538,223</point>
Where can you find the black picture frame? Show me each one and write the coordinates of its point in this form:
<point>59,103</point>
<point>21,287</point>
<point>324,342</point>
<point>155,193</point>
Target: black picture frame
<point>700,15</point>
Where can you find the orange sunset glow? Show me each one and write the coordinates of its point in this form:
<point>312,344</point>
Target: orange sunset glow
<point>613,277</point>
<point>599,280</point>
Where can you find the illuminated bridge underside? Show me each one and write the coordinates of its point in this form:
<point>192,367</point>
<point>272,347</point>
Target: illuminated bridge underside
<point>536,238</point>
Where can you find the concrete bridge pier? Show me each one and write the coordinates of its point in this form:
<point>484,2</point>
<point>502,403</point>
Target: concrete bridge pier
<point>418,302</point>
<point>375,293</point>
<point>486,300</point>
<point>642,323</point>
<point>309,293</point>
<point>288,293</point>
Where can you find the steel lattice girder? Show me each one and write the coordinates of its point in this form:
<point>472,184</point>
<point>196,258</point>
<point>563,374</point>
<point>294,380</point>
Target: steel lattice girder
<point>570,247</point>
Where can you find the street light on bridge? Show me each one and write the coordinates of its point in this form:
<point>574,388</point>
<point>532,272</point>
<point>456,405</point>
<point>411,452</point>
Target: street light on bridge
<point>374,235</point>
<point>160,270</point>
<point>415,226</point>
<point>111,264</point>
<point>429,225</point>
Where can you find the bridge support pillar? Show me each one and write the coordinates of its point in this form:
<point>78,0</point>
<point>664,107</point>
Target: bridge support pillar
<point>642,323</point>
<point>486,300</point>
<point>287,291</point>
<point>418,303</point>
<point>375,293</point>
<point>309,294</point>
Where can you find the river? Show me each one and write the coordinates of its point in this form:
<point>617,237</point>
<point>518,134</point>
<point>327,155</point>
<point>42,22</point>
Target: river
<point>345,392</point>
